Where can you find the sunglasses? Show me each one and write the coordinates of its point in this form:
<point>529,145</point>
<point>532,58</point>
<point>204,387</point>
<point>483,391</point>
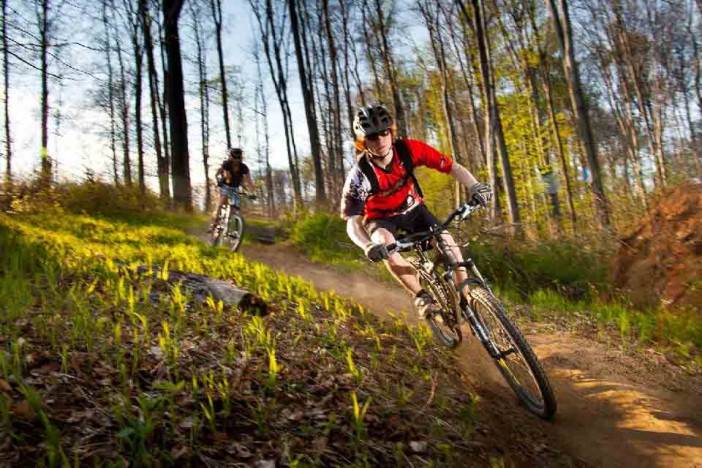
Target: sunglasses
<point>376,136</point>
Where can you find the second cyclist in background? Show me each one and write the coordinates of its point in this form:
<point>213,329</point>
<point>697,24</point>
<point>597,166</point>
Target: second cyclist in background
<point>231,175</point>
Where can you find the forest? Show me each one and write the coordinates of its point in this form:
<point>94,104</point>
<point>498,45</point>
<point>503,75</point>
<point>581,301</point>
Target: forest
<point>118,346</point>
<point>578,112</point>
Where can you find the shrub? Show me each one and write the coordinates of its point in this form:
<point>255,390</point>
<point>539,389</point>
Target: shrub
<point>90,196</point>
<point>322,236</point>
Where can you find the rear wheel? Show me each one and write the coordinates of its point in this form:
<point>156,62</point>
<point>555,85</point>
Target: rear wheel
<point>512,354</point>
<point>444,327</point>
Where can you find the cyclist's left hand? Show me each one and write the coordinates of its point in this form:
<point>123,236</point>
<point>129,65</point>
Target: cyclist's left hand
<point>376,252</point>
<point>480,194</point>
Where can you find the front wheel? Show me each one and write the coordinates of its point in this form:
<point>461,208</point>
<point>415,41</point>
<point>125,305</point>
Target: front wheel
<point>235,233</point>
<point>219,231</point>
<point>512,354</point>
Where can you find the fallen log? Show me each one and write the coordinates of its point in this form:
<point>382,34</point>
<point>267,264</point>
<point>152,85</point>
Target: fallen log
<point>201,287</point>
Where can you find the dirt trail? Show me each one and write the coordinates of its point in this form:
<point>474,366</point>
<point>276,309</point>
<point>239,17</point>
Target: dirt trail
<point>614,410</point>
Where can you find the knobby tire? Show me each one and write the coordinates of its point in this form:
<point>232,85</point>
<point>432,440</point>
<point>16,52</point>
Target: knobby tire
<point>487,306</point>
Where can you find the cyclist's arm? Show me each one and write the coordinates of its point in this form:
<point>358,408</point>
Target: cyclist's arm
<point>356,232</point>
<point>463,175</point>
<point>248,183</point>
<point>219,172</point>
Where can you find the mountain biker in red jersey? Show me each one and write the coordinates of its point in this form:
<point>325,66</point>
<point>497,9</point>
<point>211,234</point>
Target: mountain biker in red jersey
<point>381,195</point>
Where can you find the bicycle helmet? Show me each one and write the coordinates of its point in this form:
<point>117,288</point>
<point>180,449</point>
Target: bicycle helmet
<point>235,153</point>
<point>371,119</point>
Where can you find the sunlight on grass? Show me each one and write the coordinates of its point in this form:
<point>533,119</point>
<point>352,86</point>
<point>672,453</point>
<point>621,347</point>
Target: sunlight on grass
<point>89,298</point>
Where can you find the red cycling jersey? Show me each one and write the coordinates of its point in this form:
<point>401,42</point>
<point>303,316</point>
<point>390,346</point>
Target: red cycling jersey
<point>396,192</point>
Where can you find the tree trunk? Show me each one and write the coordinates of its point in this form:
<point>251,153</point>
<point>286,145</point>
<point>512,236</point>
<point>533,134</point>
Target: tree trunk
<point>269,34</point>
<point>308,97</point>
<point>204,95</point>
<point>521,63</point>
<point>110,93</point>
<point>217,17</point>
<point>44,45</point>
<point>355,71</point>
<point>632,69</point>
<point>391,71</point>
<point>367,35</point>
<point>494,134</point>
<point>138,50</point>
<point>6,94</point>
<point>347,71</point>
<point>124,117</point>
<point>264,107</point>
<point>154,99</point>
<point>570,68</point>
<point>466,72</point>
<point>182,192</point>
<point>336,102</point>
<point>431,20</point>
<point>698,67</point>
<point>163,112</point>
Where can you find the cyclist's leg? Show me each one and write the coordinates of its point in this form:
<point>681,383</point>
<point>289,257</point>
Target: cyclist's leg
<point>220,204</point>
<point>421,219</point>
<point>400,268</point>
<point>455,251</point>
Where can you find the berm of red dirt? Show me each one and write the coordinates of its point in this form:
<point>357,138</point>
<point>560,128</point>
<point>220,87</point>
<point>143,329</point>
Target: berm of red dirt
<point>660,262</point>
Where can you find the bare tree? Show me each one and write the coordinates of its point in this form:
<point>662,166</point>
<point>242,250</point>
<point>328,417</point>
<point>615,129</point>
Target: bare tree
<point>390,68</point>
<point>123,101</point>
<point>110,89</point>
<point>334,98</point>
<point>272,35</point>
<point>216,7</point>
<point>182,191</point>
<point>6,94</point>
<point>42,8</point>
<point>431,14</point>
<point>204,95</point>
<point>137,39</point>
<point>303,66</point>
<point>260,99</point>
<point>561,20</point>
<point>494,136</point>
<point>154,100</point>
<point>545,74</point>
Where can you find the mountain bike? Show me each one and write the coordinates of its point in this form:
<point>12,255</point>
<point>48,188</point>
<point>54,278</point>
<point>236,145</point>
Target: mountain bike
<point>228,229</point>
<point>474,303</point>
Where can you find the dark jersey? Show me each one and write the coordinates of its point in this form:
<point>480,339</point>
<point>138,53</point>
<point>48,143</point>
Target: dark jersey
<point>236,175</point>
<point>397,192</point>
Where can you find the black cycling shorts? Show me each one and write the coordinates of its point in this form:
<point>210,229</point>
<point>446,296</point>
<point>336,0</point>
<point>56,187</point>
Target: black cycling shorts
<point>416,220</point>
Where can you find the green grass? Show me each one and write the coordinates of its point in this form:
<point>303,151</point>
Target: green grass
<point>100,364</point>
<point>679,331</point>
<point>322,237</point>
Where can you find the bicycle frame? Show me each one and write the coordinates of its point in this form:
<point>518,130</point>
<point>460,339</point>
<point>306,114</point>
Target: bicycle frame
<point>415,242</point>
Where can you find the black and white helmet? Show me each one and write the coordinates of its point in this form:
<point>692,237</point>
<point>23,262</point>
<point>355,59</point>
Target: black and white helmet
<point>371,119</point>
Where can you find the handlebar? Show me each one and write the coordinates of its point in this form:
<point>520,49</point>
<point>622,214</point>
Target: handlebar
<point>408,242</point>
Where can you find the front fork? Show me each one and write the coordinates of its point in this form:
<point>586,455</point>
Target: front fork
<point>469,314</point>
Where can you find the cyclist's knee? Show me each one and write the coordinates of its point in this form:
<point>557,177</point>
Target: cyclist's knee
<point>382,236</point>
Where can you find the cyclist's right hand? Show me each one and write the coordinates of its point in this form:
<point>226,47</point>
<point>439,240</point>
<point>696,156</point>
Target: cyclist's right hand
<point>480,194</point>
<point>376,252</point>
